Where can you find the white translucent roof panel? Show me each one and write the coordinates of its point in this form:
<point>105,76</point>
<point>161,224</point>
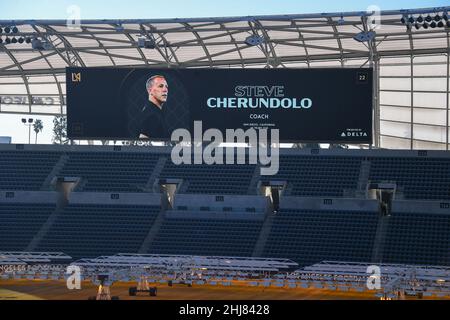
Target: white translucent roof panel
<point>115,36</point>
<point>15,46</point>
<point>430,33</point>
<point>330,43</point>
<point>395,143</point>
<point>269,23</point>
<point>5,60</point>
<point>395,113</point>
<point>251,52</point>
<point>287,50</point>
<point>101,27</point>
<point>13,89</point>
<point>226,40</point>
<point>429,70</point>
<point>430,43</point>
<point>39,28</point>
<point>204,25</point>
<point>442,59</point>
<point>394,45</point>
<point>296,64</point>
<point>57,62</point>
<point>167,26</point>
<point>311,21</point>
<point>426,145</point>
<point>236,24</point>
<point>275,35</point>
<point>240,36</point>
<point>132,53</point>
<point>351,29</point>
<point>213,36</point>
<point>389,28</point>
<point>352,44</point>
<point>92,60</point>
<point>153,54</point>
<point>24,108</point>
<point>395,98</point>
<point>134,37</point>
<point>318,32</point>
<point>392,37</point>
<point>63,28</point>
<point>82,42</point>
<point>15,68</point>
<point>395,84</point>
<point>430,100</point>
<point>24,28</point>
<point>126,62</point>
<point>11,80</point>
<point>37,64</point>
<point>174,37</point>
<point>355,62</point>
<point>313,36</point>
<point>46,109</point>
<point>324,64</point>
<point>43,88</point>
<point>395,61</point>
<point>222,52</point>
<point>429,133</point>
<point>189,53</point>
<point>61,77</point>
<point>395,71</point>
<point>396,129</point>
<point>428,116</point>
<point>109,44</point>
<point>25,56</point>
<point>129,27</point>
<point>314,51</point>
<point>351,18</point>
<point>430,84</point>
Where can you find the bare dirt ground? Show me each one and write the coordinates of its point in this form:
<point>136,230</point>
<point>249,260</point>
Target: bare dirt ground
<point>57,290</point>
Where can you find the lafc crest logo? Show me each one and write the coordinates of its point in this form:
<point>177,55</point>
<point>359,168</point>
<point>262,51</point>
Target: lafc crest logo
<point>76,77</point>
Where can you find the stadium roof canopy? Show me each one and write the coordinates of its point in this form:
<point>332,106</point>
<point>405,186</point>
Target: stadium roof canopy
<point>411,100</point>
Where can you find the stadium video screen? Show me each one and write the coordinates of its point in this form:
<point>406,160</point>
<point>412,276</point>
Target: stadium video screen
<point>331,105</point>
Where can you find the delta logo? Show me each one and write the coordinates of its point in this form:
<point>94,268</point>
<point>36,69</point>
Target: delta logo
<point>353,133</point>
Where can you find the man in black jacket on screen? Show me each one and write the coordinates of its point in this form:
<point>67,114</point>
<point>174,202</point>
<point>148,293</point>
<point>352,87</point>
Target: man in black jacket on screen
<point>153,125</point>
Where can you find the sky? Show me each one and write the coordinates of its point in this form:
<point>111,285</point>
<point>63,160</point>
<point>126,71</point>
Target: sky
<point>11,125</point>
<point>135,9</point>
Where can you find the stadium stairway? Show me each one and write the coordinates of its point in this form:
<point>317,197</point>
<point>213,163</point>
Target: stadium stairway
<point>22,214</point>
<point>81,184</point>
<point>183,188</point>
<point>61,203</point>
<point>156,226</point>
<point>363,180</point>
<point>264,233</point>
<point>380,239</point>
<point>159,166</point>
<point>47,184</point>
<point>253,186</point>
